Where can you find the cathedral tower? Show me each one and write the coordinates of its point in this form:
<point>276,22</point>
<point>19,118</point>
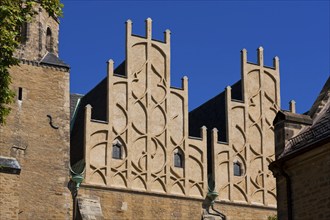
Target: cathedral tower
<point>36,134</point>
<point>39,37</point>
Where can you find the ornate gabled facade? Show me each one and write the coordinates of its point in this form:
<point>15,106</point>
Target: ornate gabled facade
<point>142,143</point>
<point>132,133</point>
<point>140,153</point>
<point>242,151</point>
<point>250,137</point>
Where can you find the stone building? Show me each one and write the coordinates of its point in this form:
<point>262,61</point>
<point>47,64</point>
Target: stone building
<point>140,153</point>
<point>35,141</point>
<point>132,132</point>
<point>302,161</point>
<point>145,154</point>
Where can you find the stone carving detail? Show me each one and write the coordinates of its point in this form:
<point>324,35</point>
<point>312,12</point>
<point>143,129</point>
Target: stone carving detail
<point>250,137</point>
<point>98,157</point>
<point>149,119</point>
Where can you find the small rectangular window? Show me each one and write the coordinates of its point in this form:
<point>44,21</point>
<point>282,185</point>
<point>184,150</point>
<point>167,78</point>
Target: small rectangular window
<point>237,169</point>
<point>22,35</point>
<point>178,160</point>
<point>116,151</point>
<point>20,93</point>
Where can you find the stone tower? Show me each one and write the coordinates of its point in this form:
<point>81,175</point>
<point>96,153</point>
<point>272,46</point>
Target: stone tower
<point>39,36</point>
<point>36,134</point>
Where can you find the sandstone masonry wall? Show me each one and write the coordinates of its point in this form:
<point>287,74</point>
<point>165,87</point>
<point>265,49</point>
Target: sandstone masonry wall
<point>9,196</point>
<point>41,150</point>
<point>125,204</point>
<point>310,184</point>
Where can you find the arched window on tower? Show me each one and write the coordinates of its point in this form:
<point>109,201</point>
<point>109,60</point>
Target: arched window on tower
<point>49,40</point>
<point>178,158</point>
<point>23,33</point>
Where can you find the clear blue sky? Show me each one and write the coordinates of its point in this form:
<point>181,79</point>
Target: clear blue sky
<point>206,40</point>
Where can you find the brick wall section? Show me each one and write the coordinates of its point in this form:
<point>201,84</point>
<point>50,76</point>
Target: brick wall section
<point>9,196</point>
<point>122,204</point>
<point>310,175</point>
<point>44,163</point>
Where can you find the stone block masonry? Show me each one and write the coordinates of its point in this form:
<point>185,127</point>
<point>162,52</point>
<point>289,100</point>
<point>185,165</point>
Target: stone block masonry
<point>127,204</point>
<point>9,196</point>
<point>41,150</point>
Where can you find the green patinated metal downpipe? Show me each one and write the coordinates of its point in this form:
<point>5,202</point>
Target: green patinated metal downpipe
<point>212,195</point>
<point>77,178</point>
<point>77,172</point>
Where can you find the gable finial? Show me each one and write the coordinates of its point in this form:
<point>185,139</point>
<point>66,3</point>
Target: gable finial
<point>128,27</point>
<point>292,104</point>
<point>110,67</point>
<point>276,62</point>
<point>243,55</point>
<point>167,36</point>
<point>148,28</point>
<point>261,56</point>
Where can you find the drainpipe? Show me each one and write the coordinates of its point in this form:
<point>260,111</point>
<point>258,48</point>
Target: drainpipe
<point>76,180</point>
<point>212,195</point>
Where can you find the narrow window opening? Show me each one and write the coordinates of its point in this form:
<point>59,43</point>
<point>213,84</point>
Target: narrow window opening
<point>24,32</point>
<point>49,40</point>
<point>178,159</point>
<point>237,169</point>
<point>20,93</point>
<point>116,151</point>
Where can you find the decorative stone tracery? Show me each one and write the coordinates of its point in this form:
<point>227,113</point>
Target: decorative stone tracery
<point>250,137</point>
<point>149,119</point>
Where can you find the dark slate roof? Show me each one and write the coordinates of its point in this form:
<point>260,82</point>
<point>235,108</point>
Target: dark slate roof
<point>120,70</point>
<point>236,91</point>
<point>73,102</point>
<point>319,131</point>
<point>212,113</point>
<point>324,95</point>
<point>52,60</point>
<point>9,165</point>
<point>97,98</point>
